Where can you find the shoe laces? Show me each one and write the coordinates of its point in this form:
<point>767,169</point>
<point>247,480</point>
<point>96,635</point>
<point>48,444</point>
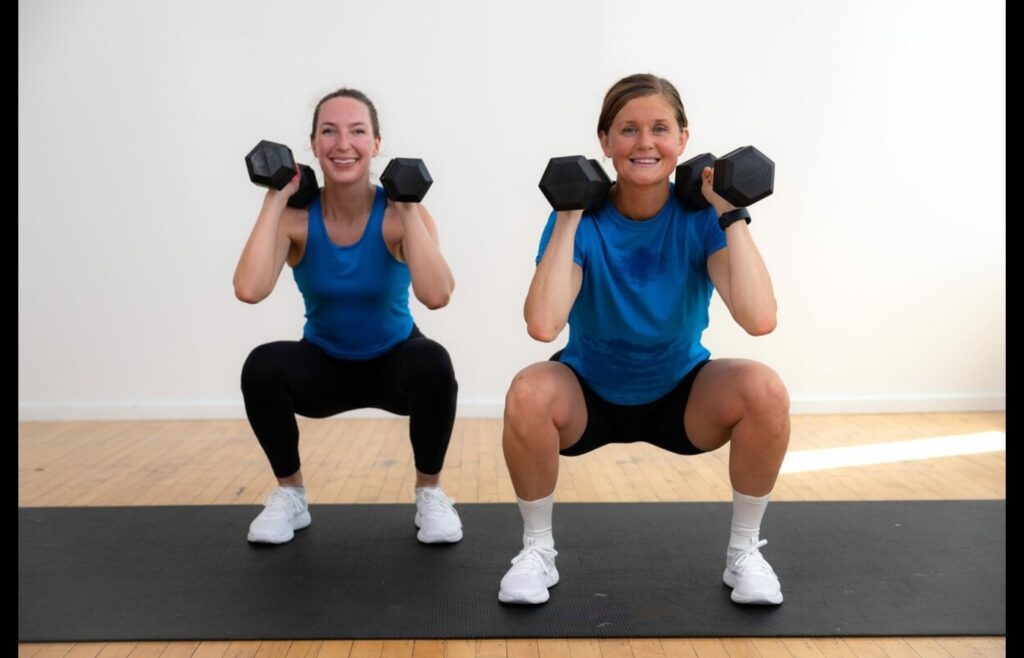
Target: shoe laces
<point>433,504</point>
<point>751,561</point>
<point>282,502</point>
<point>533,558</point>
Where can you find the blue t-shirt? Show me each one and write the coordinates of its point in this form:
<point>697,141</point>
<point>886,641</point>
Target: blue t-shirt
<point>357,296</point>
<point>635,328</point>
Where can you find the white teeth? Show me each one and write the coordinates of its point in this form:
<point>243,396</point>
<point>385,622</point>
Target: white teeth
<point>645,160</point>
<point>343,162</point>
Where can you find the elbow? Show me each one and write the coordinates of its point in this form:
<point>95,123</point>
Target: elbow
<point>757,319</point>
<point>436,301</point>
<point>544,334</point>
<point>248,295</point>
<point>542,323</point>
<point>761,326</point>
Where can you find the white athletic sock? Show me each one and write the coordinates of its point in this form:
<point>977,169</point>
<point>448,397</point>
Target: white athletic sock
<point>747,512</point>
<point>537,520</point>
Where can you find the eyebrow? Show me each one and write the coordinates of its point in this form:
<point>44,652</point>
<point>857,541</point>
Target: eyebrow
<point>334,125</point>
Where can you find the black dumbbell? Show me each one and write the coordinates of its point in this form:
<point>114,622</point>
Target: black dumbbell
<point>742,177</point>
<point>271,165</point>
<point>574,183</point>
<point>406,179</point>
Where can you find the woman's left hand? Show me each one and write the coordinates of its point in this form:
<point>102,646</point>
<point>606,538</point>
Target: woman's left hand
<point>708,190</point>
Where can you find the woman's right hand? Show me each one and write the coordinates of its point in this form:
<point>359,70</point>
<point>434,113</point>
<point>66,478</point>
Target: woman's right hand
<point>288,190</point>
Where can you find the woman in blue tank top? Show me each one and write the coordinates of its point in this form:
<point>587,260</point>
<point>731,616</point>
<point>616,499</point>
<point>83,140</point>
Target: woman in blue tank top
<point>354,254</point>
<point>633,280</point>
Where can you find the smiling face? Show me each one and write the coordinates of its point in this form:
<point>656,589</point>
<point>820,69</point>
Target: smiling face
<point>644,141</point>
<point>344,141</point>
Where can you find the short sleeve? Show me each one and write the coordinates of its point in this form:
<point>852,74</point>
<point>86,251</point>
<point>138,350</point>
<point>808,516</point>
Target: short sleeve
<point>713,235</point>
<point>545,237</point>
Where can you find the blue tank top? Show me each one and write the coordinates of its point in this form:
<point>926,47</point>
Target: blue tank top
<point>357,296</point>
<point>635,328</point>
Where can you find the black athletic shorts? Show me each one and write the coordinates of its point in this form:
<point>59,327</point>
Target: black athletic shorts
<point>659,422</point>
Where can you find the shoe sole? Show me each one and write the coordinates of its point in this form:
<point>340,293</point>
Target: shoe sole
<point>440,539</point>
<point>451,538</point>
<point>524,600</point>
<point>530,598</point>
<point>761,600</point>
<point>302,521</point>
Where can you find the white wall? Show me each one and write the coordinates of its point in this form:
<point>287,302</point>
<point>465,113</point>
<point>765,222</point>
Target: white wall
<point>885,235</point>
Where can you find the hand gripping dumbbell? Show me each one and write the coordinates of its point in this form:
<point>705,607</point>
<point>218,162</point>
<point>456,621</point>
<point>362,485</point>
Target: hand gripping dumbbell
<point>741,177</point>
<point>271,165</point>
<point>574,183</point>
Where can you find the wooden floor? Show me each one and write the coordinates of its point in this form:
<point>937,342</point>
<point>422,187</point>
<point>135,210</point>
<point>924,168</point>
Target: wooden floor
<point>368,460</point>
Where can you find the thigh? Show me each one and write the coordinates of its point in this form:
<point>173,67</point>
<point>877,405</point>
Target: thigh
<point>720,397</point>
<point>416,363</point>
<point>315,382</point>
<point>548,389</point>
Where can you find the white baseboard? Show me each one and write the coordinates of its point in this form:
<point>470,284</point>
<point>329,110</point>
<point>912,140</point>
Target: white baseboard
<point>40,411</point>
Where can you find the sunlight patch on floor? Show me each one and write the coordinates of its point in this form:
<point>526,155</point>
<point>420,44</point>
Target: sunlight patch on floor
<point>800,461</point>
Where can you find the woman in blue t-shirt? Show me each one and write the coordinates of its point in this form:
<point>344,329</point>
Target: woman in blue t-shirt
<point>354,253</point>
<point>633,280</point>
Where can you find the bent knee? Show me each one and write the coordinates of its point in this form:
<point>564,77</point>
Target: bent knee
<point>262,366</point>
<point>531,394</point>
<point>765,392</point>
<point>431,361</point>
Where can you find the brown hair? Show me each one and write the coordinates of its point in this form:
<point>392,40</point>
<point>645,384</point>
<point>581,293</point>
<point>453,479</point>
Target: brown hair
<point>634,86</point>
<point>348,93</point>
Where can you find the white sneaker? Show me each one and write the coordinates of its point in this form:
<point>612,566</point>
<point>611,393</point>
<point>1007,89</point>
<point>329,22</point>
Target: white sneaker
<point>533,572</point>
<point>750,576</point>
<point>436,517</point>
<point>284,512</point>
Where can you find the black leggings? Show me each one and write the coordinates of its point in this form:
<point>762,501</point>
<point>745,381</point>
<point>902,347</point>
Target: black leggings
<point>415,379</point>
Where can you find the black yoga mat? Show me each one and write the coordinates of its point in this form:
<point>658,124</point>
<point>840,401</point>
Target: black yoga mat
<point>627,570</point>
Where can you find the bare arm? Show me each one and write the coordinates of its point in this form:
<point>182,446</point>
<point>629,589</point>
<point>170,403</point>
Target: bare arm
<point>556,282</point>
<point>432,280</point>
<point>265,252</point>
<point>739,273</point>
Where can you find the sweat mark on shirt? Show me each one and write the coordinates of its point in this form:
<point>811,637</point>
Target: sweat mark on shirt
<point>639,265</point>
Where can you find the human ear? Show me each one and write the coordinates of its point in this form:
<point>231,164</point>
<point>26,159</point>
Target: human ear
<point>684,136</point>
<point>606,147</point>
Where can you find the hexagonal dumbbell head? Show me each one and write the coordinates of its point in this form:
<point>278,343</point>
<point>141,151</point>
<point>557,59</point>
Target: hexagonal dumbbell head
<point>688,181</point>
<point>270,164</point>
<point>744,176</point>
<point>406,179</point>
<point>572,182</point>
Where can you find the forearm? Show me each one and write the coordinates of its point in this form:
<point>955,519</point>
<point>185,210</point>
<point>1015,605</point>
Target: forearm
<point>256,272</point>
<point>750,286</point>
<point>432,279</point>
<point>552,293</point>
